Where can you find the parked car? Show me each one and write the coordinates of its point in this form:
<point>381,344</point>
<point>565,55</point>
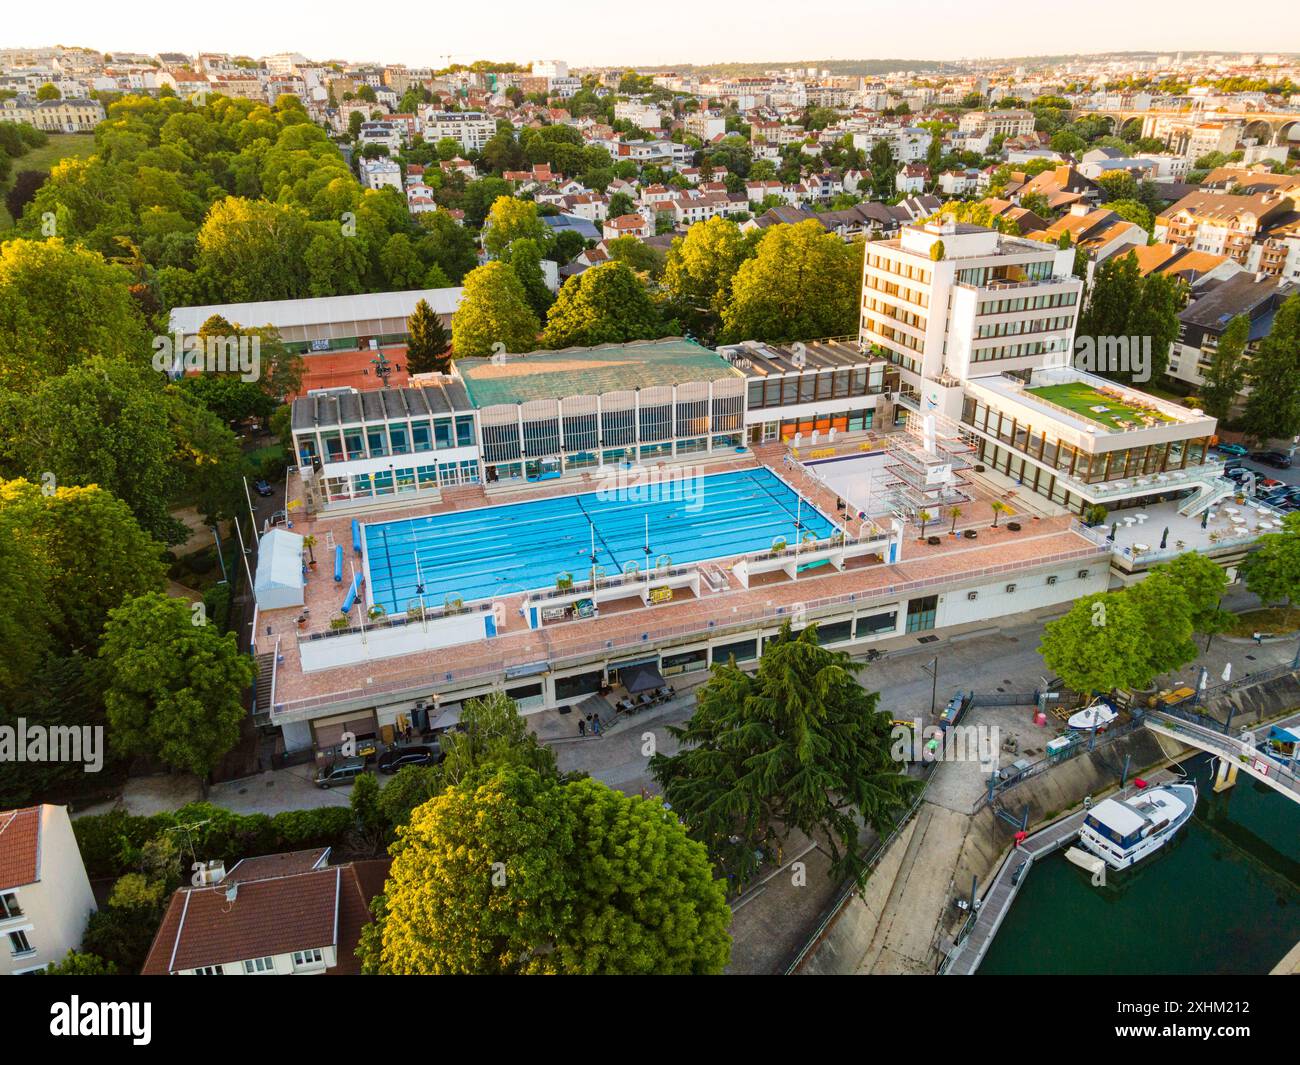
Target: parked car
<point>392,761</point>
<point>342,772</point>
<point>1238,475</point>
<point>1277,459</point>
<point>1231,449</point>
<point>1233,464</point>
<point>262,488</point>
<point>1268,484</point>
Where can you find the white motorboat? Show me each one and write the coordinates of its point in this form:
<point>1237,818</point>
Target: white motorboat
<point>1124,831</point>
<point>1097,716</point>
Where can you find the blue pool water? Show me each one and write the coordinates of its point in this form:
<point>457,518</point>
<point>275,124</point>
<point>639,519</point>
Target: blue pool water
<point>492,551</point>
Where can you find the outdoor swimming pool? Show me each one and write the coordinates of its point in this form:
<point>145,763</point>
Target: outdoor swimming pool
<point>504,550</point>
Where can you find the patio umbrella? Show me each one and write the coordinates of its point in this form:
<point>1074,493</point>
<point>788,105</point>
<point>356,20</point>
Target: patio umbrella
<point>1205,517</point>
<point>1114,527</point>
<point>1164,539</point>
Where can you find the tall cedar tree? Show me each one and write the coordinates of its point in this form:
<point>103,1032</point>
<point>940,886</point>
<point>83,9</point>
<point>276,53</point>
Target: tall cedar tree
<point>426,350</point>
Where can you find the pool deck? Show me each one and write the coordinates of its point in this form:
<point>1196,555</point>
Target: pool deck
<point>953,558</point>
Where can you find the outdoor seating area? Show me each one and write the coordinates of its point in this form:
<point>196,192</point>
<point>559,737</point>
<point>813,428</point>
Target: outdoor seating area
<point>635,703</point>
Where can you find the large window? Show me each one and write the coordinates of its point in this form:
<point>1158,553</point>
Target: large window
<point>9,906</point>
<point>19,944</point>
<point>259,965</point>
<point>920,613</point>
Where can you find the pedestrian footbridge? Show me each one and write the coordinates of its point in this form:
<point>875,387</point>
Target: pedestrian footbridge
<point>1240,753</point>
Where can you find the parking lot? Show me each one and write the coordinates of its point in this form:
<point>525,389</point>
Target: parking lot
<point>1277,495</point>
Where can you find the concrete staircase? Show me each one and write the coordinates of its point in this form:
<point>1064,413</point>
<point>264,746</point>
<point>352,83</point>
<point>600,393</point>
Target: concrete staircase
<point>1207,494</point>
<point>265,682</point>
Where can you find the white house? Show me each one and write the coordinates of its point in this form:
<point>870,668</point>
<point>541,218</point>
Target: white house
<point>45,896</point>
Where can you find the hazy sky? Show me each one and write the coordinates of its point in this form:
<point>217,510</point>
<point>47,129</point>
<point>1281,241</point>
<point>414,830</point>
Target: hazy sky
<point>656,32</point>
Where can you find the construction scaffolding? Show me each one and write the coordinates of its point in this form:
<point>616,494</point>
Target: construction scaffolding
<point>925,464</point>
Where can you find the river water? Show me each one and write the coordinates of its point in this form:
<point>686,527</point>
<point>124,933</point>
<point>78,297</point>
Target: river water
<point>1224,897</point>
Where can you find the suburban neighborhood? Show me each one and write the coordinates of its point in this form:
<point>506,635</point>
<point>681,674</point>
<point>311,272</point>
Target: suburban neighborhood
<point>515,515</point>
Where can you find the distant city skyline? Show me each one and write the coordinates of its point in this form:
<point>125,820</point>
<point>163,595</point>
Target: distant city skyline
<point>588,35</point>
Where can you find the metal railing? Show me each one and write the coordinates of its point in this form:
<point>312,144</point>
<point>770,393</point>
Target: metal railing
<point>577,651</point>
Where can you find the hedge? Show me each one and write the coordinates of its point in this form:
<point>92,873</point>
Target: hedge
<point>110,843</point>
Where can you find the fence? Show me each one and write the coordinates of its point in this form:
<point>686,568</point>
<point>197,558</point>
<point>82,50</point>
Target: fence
<point>848,888</point>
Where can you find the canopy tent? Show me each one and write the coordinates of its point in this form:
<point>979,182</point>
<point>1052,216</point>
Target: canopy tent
<point>642,677</point>
<point>279,580</point>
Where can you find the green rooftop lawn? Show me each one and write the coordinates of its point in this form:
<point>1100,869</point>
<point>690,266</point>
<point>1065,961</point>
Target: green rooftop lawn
<point>1080,397</point>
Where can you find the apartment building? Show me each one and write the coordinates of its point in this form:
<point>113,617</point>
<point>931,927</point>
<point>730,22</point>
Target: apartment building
<point>981,326</point>
<point>472,129</point>
<point>54,116</point>
<point>1230,225</point>
<point>1011,122</point>
<point>45,896</point>
<point>1214,303</point>
<point>706,125</point>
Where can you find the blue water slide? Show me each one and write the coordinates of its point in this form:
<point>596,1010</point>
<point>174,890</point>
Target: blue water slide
<point>353,589</point>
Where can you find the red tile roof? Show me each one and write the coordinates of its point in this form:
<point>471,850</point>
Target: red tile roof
<point>20,847</point>
<point>279,915</point>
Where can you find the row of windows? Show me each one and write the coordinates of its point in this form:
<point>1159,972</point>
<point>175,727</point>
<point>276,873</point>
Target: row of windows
<point>810,387</point>
<point>403,481</point>
<point>1019,351</point>
<point>916,321</point>
<point>897,336</point>
<point>394,438</point>
<point>920,297</point>
<point>890,265</point>
<point>1024,325</point>
<point>979,276</point>
<point>1029,303</point>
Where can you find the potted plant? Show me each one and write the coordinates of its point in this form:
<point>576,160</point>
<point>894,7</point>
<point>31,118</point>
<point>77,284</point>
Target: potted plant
<point>340,622</point>
<point>1013,526</point>
<point>954,513</point>
<point>309,542</point>
<point>376,612</point>
<point>999,508</point>
<point>924,517</point>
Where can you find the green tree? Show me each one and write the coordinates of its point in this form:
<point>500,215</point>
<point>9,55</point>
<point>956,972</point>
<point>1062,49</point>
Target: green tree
<point>699,272</point>
<point>49,91</point>
<point>525,258</point>
<point>604,305</point>
<point>173,689</point>
<point>521,874</point>
<point>800,745</point>
<point>883,170</point>
<point>1202,583</point>
<point>493,309</point>
<point>426,347</point>
<point>1272,571</point>
<point>1273,406</point>
<point>1225,376</point>
<point>802,284</point>
<point>510,220</point>
<point>1099,644</point>
<point>60,305</point>
<point>74,964</point>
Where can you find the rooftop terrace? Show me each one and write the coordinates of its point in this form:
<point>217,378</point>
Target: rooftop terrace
<point>590,371</point>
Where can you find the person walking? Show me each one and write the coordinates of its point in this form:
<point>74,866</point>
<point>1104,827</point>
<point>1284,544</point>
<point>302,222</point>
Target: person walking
<point>595,724</point>
<point>582,727</point>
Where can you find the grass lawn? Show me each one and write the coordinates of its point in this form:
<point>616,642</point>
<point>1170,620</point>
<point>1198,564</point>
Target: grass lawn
<point>1273,621</point>
<point>60,146</point>
<point>1080,398</point>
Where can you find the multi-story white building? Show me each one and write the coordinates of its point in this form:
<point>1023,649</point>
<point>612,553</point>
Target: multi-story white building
<point>981,326</point>
<point>45,896</point>
<point>1006,123</point>
<point>472,129</point>
<point>381,173</point>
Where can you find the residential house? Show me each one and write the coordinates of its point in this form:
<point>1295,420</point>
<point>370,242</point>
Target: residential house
<point>285,914</point>
<point>45,896</point>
